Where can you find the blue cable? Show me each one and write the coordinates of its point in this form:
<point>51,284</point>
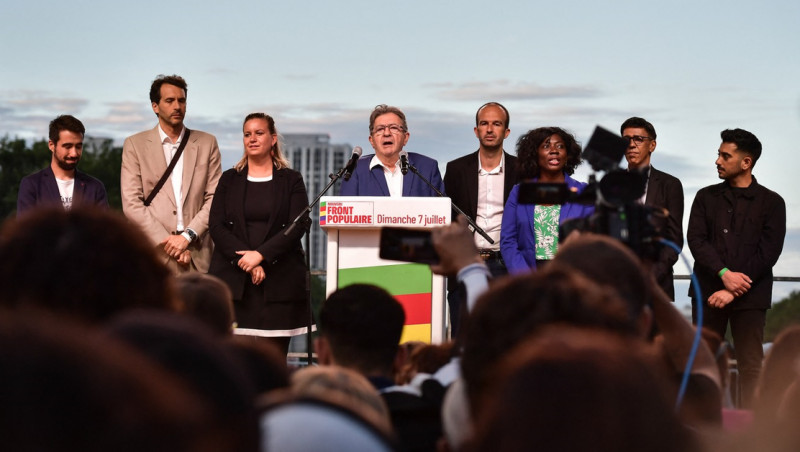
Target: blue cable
<point>699,326</point>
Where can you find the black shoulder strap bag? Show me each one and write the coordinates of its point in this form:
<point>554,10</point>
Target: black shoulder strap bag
<point>171,166</point>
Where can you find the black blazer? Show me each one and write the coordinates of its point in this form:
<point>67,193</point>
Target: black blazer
<point>664,190</point>
<point>461,181</point>
<point>41,189</point>
<point>284,261</point>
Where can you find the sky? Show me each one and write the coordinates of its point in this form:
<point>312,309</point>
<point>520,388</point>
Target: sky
<point>692,68</point>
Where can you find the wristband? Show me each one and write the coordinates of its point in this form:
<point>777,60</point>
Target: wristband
<point>722,272</point>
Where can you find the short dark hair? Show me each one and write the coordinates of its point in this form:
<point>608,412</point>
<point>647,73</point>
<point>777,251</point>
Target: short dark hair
<point>496,104</point>
<point>176,80</point>
<point>68,262</point>
<point>556,294</point>
<point>384,109</point>
<point>744,141</point>
<point>608,262</point>
<point>48,366</point>
<point>636,122</point>
<point>65,122</point>
<point>208,299</point>
<point>528,146</point>
<point>593,370</point>
<point>363,324</point>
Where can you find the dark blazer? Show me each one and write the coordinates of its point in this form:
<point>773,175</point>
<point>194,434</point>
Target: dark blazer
<point>284,262</point>
<point>517,234</point>
<point>664,190</point>
<point>366,182</point>
<point>461,181</point>
<point>41,189</point>
<point>745,235</point>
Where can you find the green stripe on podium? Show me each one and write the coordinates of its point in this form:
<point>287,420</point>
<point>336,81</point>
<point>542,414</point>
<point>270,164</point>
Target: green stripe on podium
<point>398,279</point>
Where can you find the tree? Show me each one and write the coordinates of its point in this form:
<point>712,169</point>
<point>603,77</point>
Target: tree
<point>783,313</point>
<point>16,162</point>
<point>105,165</point>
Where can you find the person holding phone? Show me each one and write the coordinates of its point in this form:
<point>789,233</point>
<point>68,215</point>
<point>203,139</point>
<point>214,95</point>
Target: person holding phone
<point>529,233</point>
<point>265,268</point>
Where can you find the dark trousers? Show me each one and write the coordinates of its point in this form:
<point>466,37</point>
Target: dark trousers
<point>747,329</point>
<point>457,295</point>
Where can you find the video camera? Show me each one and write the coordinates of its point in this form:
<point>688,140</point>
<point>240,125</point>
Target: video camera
<point>618,212</point>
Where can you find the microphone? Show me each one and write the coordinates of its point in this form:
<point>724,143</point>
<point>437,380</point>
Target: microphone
<point>351,164</point>
<point>404,162</point>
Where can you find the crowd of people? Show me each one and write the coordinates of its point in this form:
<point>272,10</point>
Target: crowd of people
<point>120,332</point>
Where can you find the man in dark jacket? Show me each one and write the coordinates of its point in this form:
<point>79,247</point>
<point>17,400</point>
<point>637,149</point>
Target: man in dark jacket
<point>361,329</point>
<point>479,184</point>
<point>736,232</point>
<point>61,183</point>
<point>662,190</point>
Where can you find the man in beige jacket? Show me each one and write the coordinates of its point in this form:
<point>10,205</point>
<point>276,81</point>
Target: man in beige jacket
<point>177,218</point>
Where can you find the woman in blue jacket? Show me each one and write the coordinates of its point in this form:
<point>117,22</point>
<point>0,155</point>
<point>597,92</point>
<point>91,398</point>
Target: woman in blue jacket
<point>529,233</point>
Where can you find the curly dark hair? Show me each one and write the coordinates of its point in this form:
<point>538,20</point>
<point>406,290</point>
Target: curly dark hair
<point>528,146</point>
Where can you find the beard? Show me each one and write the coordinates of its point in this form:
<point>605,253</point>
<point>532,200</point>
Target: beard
<point>67,165</point>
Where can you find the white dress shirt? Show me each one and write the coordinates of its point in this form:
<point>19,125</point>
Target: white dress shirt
<point>177,173</point>
<point>490,204</point>
<point>394,177</point>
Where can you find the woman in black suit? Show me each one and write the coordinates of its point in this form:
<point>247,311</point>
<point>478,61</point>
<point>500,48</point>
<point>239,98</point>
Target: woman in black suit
<point>254,204</point>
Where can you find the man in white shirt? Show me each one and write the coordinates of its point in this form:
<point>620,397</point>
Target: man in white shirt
<point>479,184</point>
<point>176,219</point>
<point>382,173</point>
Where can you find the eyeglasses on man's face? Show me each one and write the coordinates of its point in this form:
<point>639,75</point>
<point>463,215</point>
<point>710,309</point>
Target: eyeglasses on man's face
<point>638,139</point>
<point>394,129</point>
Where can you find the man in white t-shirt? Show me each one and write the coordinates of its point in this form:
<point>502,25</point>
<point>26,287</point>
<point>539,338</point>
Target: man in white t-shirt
<point>61,183</point>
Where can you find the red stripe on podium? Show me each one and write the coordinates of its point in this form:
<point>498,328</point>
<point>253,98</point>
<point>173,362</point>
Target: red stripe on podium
<point>417,306</point>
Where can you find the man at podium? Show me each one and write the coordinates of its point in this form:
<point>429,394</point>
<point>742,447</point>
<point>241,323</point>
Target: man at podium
<point>385,173</point>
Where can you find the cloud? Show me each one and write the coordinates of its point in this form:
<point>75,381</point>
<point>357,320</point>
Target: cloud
<point>505,90</point>
<point>35,101</point>
<point>27,113</point>
<point>127,113</point>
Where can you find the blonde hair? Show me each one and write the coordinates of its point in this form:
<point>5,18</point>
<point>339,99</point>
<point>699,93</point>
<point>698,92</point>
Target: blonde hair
<point>279,161</point>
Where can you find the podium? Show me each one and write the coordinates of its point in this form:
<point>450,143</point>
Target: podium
<point>353,225</point>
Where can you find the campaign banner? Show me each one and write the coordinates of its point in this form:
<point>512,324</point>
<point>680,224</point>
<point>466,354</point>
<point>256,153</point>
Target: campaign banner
<point>372,212</point>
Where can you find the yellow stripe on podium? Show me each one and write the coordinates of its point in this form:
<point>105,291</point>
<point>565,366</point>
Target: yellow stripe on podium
<point>420,332</point>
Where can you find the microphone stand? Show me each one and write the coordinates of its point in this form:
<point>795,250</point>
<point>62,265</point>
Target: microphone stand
<point>471,222</point>
<point>304,216</point>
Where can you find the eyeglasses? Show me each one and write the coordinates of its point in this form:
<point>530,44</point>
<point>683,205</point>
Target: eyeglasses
<point>638,139</point>
<point>394,129</point>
